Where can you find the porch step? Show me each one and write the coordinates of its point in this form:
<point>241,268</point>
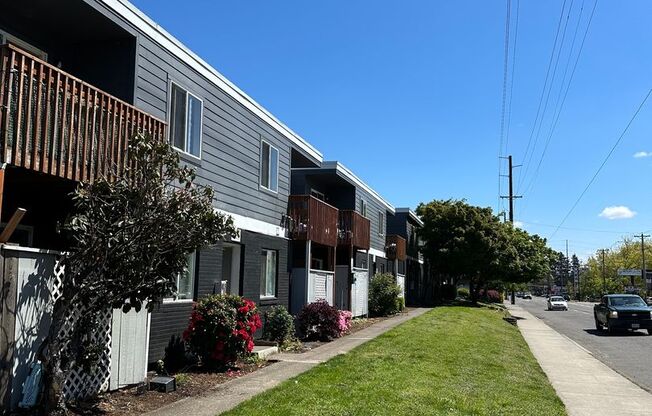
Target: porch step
<point>264,351</point>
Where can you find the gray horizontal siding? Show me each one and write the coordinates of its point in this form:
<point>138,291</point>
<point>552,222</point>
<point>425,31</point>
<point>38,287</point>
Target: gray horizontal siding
<point>374,206</point>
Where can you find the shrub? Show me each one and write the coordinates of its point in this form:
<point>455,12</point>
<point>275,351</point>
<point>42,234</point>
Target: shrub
<point>319,320</point>
<point>400,304</point>
<point>221,329</point>
<point>493,296</point>
<point>383,295</point>
<point>344,322</point>
<point>279,325</point>
<point>175,355</point>
<point>463,293</point>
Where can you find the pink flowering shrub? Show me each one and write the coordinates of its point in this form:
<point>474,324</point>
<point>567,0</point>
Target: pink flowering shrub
<point>221,329</point>
<point>344,322</point>
<point>493,296</point>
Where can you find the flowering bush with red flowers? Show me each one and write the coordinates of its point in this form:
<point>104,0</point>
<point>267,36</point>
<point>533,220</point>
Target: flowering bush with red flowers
<point>221,329</point>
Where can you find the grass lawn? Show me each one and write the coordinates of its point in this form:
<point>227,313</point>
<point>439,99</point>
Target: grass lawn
<point>451,361</point>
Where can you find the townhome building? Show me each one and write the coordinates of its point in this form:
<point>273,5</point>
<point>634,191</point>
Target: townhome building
<point>79,78</point>
<point>337,264</point>
<point>410,269</point>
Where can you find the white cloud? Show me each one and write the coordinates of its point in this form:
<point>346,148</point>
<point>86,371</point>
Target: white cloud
<point>518,224</point>
<point>617,213</point>
<point>642,154</point>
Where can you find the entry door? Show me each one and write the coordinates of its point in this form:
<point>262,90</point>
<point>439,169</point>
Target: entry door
<point>231,269</point>
<point>342,288</point>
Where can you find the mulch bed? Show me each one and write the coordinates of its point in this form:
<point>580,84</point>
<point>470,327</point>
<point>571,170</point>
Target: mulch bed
<point>127,402</point>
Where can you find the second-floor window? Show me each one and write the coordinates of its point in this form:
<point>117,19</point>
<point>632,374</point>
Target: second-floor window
<point>363,208</point>
<point>269,167</point>
<point>381,223</point>
<point>185,121</point>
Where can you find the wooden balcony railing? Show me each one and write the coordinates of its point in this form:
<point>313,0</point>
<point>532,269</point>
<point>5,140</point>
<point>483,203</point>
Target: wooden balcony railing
<point>57,124</point>
<point>395,247</point>
<point>312,219</point>
<point>355,230</point>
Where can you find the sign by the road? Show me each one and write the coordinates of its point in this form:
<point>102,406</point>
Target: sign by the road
<point>629,272</point>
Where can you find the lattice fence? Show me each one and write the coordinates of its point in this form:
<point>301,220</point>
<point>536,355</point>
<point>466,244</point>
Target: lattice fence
<point>79,383</point>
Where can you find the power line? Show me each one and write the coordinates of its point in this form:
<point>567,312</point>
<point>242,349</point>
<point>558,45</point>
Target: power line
<point>604,162</point>
<point>511,84</point>
<point>552,82</point>
<point>563,101</point>
<point>504,97</point>
<point>579,229</point>
<point>545,84</point>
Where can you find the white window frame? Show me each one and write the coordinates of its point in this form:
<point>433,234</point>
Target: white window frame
<point>263,266</point>
<point>201,121</point>
<point>175,298</point>
<point>269,165</point>
<point>363,208</point>
<point>381,223</point>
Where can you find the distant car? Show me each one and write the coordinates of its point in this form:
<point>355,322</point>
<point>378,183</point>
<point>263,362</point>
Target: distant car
<point>527,296</point>
<point>566,297</point>
<point>557,303</point>
<point>616,312</point>
<point>519,294</point>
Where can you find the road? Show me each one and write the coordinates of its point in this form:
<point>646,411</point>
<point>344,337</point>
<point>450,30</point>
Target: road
<point>628,353</point>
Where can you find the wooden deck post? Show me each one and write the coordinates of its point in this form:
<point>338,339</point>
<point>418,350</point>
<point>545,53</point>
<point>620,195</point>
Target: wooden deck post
<point>3,169</point>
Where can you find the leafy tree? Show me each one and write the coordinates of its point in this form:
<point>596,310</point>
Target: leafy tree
<point>460,240</point>
<point>131,238</point>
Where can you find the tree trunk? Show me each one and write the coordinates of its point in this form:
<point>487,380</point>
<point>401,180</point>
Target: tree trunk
<point>53,354</point>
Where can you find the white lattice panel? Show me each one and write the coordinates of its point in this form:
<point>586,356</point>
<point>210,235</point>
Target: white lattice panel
<point>80,384</point>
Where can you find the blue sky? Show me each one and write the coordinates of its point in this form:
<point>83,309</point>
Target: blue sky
<point>408,95</point>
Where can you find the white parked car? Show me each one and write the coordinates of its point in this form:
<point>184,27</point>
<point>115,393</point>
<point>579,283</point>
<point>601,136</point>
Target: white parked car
<point>557,303</point>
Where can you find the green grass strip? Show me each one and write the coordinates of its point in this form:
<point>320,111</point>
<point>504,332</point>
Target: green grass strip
<point>450,361</point>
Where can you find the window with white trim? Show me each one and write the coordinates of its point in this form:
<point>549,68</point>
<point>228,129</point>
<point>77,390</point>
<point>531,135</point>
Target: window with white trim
<point>186,280</point>
<point>381,223</point>
<point>185,121</point>
<point>268,166</point>
<point>268,273</point>
<point>363,208</point>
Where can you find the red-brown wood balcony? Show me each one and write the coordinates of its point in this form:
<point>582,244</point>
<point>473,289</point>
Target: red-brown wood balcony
<point>395,247</point>
<point>312,219</point>
<point>354,230</point>
<point>55,123</point>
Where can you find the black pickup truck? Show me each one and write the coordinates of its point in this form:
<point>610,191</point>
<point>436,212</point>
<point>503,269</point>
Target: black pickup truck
<point>616,312</point>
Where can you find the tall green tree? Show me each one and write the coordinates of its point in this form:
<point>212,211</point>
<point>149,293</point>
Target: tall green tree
<point>131,238</point>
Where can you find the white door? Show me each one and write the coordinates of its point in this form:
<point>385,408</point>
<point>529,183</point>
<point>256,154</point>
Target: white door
<point>360,292</point>
<point>129,343</point>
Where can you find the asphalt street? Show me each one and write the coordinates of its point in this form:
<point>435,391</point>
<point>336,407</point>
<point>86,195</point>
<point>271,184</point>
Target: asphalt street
<point>628,353</point>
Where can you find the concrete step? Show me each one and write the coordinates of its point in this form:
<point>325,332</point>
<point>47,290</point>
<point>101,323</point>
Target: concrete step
<point>264,351</point>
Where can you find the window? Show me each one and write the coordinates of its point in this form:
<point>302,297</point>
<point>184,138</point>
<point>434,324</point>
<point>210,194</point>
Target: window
<point>186,280</point>
<point>363,208</point>
<point>268,273</point>
<point>269,167</point>
<point>381,223</point>
<point>185,121</point>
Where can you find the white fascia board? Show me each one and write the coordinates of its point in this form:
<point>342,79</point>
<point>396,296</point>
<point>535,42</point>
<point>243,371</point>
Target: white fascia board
<point>257,226</point>
<point>143,23</point>
<point>412,215</point>
<point>376,252</point>
<point>355,180</point>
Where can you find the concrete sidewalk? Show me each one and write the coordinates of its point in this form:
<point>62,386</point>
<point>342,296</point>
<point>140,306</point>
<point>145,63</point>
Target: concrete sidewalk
<point>228,395</point>
<point>584,384</point>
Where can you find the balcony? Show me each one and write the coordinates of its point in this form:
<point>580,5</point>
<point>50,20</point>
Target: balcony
<point>54,123</point>
<point>355,230</point>
<point>312,219</point>
<point>395,247</point>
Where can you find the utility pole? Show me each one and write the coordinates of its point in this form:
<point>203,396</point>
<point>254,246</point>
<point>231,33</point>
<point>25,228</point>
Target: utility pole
<point>604,276</point>
<point>511,195</point>
<point>644,268</point>
<point>566,269</point>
